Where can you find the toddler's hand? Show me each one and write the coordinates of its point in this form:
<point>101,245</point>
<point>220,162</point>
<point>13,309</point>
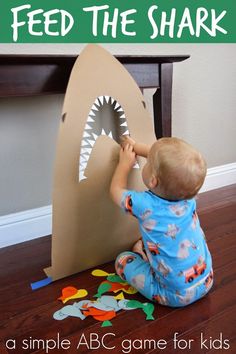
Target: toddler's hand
<point>126,139</point>
<point>127,156</point>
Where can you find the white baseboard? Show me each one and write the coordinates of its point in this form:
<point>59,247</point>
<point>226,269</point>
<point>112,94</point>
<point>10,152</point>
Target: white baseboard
<point>219,176</point>
<point>35,223</point>
<point>25,226</point>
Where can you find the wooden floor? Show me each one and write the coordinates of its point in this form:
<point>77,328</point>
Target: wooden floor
<point>27,315</point>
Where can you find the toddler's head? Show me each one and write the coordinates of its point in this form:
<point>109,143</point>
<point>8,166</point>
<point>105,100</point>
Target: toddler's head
<point>174,169</point>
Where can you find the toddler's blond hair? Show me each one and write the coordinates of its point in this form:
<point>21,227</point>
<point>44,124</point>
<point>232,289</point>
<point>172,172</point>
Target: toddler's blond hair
<point>179,168</point>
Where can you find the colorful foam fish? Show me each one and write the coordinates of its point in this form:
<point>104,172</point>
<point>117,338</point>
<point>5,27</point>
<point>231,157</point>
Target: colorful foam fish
<point>100,273</point>
<point>105,307</point>
<point>71,292</point>
<point>107,286</point>
<point>100,315</point>
<point>147,308</point>
<point>112,277</point>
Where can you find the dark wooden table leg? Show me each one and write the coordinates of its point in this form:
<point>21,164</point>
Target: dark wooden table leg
<point>162,100</point>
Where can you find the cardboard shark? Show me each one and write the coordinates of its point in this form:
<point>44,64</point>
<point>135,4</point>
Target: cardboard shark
<point>102,102</point>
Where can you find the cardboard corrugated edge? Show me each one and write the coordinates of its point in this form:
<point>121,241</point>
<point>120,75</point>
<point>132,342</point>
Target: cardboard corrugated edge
<point>88,229</point>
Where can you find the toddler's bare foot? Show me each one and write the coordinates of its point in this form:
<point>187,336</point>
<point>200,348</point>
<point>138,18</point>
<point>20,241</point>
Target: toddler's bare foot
<point>138,248</point>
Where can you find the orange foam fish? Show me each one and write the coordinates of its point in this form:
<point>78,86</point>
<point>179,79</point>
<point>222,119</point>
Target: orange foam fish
<point>99,315</point>
<point>67,292</point>
<point>71,292</point>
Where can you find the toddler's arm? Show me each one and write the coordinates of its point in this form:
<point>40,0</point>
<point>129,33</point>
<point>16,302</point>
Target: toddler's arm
<point>139,148</point>
<point>119,180</point>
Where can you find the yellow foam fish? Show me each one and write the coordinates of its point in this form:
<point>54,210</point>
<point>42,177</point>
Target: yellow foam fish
<point>100,273</point>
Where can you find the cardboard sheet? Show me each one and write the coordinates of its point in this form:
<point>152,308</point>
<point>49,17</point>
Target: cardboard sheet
<point>102,102</point>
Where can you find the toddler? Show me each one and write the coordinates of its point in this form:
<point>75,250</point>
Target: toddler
<point>171,264</point>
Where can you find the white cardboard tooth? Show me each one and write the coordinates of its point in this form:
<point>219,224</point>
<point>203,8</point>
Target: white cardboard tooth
<point>126,132</point>
<point>122,116</point>
<point>91,142</point>
<point>136,166</point>
<point>110,135</point>
<point>112,100</point>
<point>124,124</point>
<point>103,132</point>
<point>95,136</point>
<point>81,176</point>
<point>90,119</point>
<point>94,108</point>
<point>120,109</point>
<point>107,99</point>
<point>84,142</point>
<point>83,151</point>
<point>83,165</point>
<point>81,168</point>
<point>86,135</point>
<point>88,127</point>
<point>97,102</point>
<point>85,157</point>
<point>117,105</point>
<point>88,149</point>
<point>91,113</point>
<point>82,159</point>
<point>101,98</point>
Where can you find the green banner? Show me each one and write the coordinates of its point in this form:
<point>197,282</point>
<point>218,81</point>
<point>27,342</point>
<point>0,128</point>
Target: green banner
<point>140,21</point>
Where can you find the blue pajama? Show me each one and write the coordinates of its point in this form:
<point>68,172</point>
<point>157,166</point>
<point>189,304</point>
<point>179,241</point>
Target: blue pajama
<point>179,267</point>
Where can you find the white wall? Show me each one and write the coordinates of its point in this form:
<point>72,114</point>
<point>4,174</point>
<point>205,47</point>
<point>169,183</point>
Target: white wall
<point>204,113</point>
<point>28,131</point>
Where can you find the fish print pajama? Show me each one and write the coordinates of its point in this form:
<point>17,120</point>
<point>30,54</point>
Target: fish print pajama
<point>179,268</point>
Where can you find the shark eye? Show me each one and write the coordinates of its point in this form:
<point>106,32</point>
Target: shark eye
<point>106,117</point>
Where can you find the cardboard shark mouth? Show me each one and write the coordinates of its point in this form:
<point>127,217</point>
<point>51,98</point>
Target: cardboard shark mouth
<point>99,123</point>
